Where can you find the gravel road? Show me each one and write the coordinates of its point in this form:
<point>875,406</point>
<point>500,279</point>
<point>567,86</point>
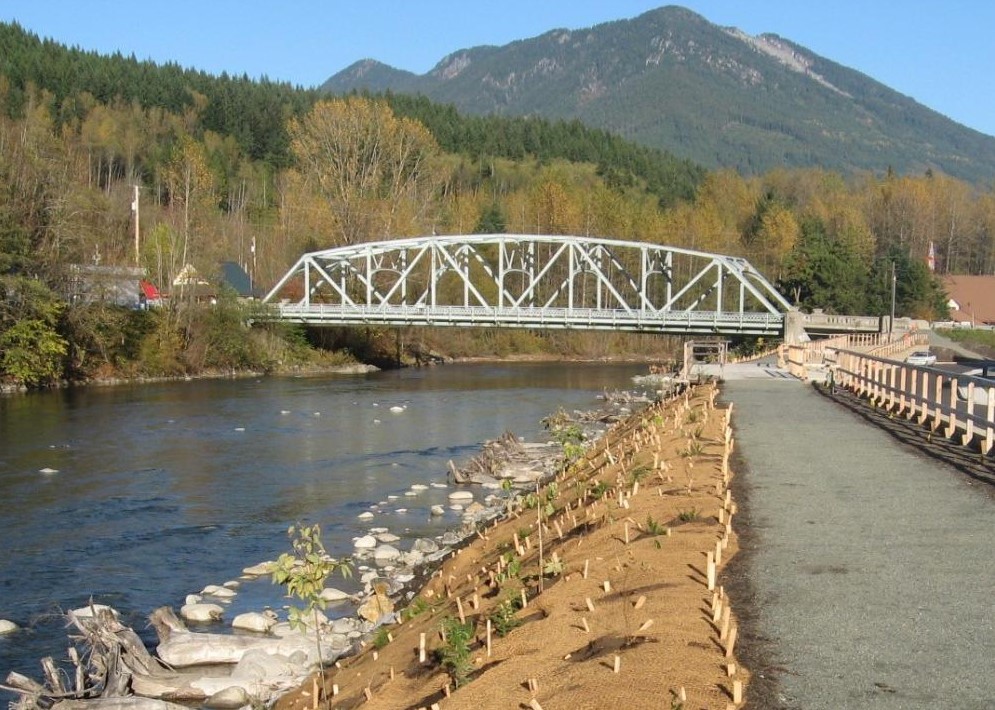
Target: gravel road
<point>871,565</point>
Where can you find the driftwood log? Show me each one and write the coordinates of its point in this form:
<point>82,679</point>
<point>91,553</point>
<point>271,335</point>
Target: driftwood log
<point>508,457</point>
<point>121,674</point>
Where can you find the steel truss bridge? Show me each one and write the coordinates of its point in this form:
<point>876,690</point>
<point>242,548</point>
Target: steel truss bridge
<point>530,281</point>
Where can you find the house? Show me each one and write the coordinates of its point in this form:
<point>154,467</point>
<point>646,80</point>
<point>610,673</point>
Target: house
<point>119,285</point>
<point>971,299</point>
<point>189,284</point>
<point>235,277</point>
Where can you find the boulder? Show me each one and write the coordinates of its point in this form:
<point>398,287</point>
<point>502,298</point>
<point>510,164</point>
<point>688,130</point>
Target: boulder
<point>7,627</point>
<point>331,594</point>
<point>202,612</point>
<point>254,621</point>
<point>387,537</point>
<point>218,592</point>
<point>461,496</point>
<point>260,570</point>
<point>386,553</point>
<point>377,606</point>
<point>365,516</point>
<point>366,542</point>
<point>438,510</point>
<point>425,546</point>
<point>230,698</point>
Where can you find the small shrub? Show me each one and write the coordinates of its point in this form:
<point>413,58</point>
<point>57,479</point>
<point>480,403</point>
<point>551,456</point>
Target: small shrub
<point>689,516</point>
<point>693,450</point>
<point>503,617</point>
<point>553,566</point>
<point>638,474</point>
<point>455,655</point>
<point>599,488</point>
<point>417,606</point>
<point>381,638</point>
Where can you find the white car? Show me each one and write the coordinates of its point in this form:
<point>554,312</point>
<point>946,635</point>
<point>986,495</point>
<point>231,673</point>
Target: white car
<point>921,357</point>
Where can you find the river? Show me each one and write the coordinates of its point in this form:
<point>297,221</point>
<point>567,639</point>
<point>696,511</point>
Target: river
<point>136,496</point>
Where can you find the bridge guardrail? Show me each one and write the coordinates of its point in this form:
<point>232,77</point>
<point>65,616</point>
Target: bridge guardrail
<point>550,317</point>
<point>929,395</point>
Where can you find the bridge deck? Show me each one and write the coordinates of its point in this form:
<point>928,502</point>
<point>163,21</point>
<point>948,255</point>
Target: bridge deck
<point>872,563</point>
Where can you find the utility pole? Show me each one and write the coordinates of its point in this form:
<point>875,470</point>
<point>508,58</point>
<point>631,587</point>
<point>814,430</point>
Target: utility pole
<point>134,208</point>
<point>894,280</point>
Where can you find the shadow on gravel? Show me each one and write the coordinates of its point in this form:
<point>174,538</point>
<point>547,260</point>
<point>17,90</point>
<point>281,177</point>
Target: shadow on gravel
<point>967,460</point>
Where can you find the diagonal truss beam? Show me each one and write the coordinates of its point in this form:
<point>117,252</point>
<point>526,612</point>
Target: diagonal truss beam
<point>506,275</point>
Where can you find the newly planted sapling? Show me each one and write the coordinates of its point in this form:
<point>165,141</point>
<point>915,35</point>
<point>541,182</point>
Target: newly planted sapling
<point>303,572</point>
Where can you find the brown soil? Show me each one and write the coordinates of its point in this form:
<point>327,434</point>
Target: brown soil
<point>644,600</point>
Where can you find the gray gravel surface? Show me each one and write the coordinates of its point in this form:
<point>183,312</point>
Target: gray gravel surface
<point>871,566</point>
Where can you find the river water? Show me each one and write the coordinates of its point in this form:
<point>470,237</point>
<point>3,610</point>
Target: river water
<point>135,496</point>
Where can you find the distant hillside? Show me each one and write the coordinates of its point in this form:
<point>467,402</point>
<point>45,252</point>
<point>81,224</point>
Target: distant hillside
<point>670,79</point>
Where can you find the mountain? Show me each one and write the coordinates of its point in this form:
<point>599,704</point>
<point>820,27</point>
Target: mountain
<point>670,79</point>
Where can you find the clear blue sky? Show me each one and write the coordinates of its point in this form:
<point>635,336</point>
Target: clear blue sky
<point>942,54</point>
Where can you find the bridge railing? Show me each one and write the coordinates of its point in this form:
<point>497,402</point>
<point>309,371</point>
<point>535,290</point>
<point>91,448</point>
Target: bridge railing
<point>549,317</point>
<point>955,405</point>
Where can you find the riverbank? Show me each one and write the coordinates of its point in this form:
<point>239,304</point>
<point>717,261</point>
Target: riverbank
<point>357,368</point>
<point>596,596</point>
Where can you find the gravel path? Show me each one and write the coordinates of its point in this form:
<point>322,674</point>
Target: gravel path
<point>871,567</point>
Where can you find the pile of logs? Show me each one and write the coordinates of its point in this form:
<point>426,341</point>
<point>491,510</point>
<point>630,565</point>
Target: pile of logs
<point>114,671</point>
<point>507,457</point>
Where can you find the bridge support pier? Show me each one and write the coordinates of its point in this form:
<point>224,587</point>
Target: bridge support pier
<point>794,328</point>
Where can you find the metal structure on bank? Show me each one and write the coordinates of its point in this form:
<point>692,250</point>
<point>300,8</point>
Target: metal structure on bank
<point>530,281</point>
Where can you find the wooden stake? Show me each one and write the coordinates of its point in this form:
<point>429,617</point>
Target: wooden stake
<point>718,552</point>
<point>626,533</point>
<point>392,672</point>
<point>583,622</point>
<point>525,600</point>
<point>646,624</point>
<point>585,568</point>
<point>639,603</point>
<point>607,585</point>
<point>731,643</point>
<point>717,612</point>
<point>618,663</point>
<point>421,648</point>
<point>737,691</point>
<point>367,693</point>
<point>710,571</point>
<point>459,610</point>
<point>724,629</point>
<point>730,669</point>
<point>590,604</point>
<point>534,704</point>
<point>488,638</point>
<point>335,689</point>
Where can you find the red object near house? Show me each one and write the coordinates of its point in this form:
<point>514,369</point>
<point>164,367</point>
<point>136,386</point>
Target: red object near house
<point>149,290</point>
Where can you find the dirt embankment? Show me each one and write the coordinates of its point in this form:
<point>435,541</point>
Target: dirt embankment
<point>613,566</point>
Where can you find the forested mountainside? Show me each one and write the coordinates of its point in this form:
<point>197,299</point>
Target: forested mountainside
<point>669,79</point>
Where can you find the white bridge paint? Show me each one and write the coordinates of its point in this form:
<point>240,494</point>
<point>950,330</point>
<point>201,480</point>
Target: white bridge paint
<point>533,281</point>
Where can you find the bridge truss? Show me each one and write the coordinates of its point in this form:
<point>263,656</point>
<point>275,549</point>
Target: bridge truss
<point>529,281</point>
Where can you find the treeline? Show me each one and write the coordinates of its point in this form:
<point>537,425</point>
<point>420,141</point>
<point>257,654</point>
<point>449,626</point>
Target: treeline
<point>217,181</point>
